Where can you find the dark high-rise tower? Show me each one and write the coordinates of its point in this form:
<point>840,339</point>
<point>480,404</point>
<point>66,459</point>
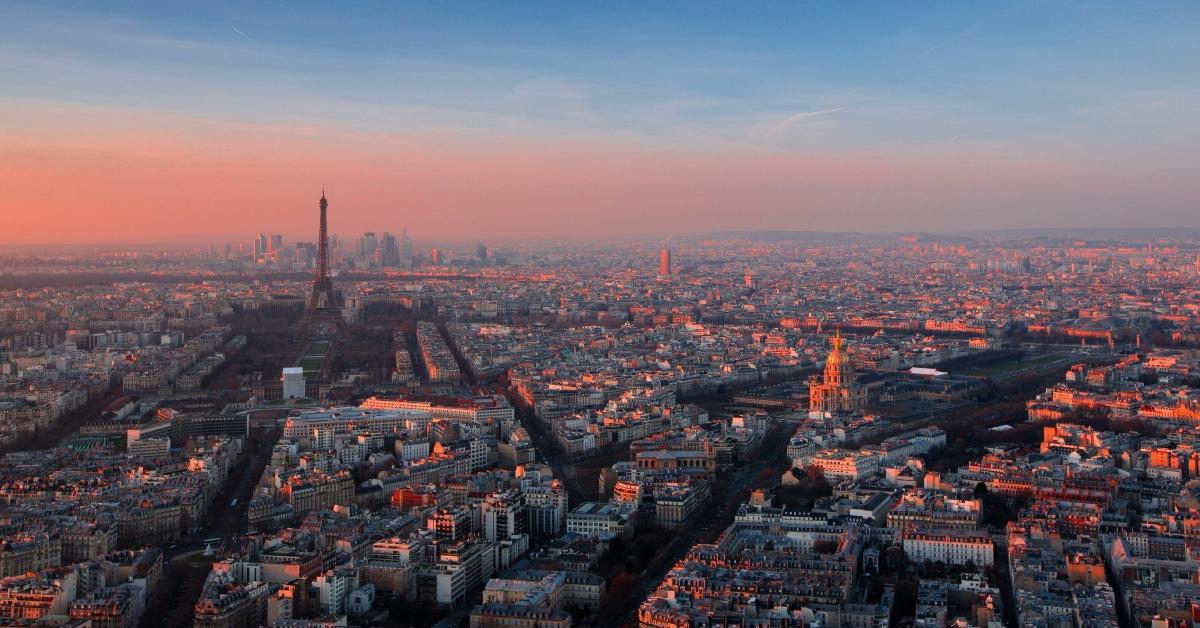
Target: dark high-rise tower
<point>664,262</point>
<point>321,310</point>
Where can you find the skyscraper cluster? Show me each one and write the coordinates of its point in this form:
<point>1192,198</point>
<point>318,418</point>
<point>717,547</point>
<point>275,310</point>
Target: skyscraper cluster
<point>370,250</point>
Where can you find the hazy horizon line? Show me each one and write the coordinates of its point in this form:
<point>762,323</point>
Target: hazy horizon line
<point>1189,233</point>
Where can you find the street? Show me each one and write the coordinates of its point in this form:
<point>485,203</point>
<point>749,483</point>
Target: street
<point>708,524</point>
<point>183,574</point>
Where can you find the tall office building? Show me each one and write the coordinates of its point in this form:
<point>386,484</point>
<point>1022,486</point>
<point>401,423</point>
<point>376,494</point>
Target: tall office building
<point>435,257</point>
<point>664,262</point>
<point>389,253</point>
<point>406,247</point>
<point>367,245</point>
<point>276,244</point>
<point>305,254</point>
<point>260,246</point>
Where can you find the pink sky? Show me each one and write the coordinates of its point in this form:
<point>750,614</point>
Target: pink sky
<point>494,122</point>
<point>105,178</point>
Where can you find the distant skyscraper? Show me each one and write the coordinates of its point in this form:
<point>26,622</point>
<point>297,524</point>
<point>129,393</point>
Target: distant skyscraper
<point>435,257</point>
<point>260,246</point>
<point>337,252</point>
<point>664,262</point>
<point>305,253</point>
<point>406,247</point>
<point>367,245</point>
<point>389,254</point>
<point>276,244</point>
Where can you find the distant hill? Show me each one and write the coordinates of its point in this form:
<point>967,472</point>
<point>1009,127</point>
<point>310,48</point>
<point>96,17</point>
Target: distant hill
<point>1088,234</point>
<point>828,237</point>
<point>1137,234</point>
<point>787,236</point>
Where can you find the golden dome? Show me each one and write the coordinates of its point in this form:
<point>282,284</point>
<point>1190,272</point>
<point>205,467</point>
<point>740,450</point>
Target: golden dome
<point>839,371</point>
<point>838,355</point>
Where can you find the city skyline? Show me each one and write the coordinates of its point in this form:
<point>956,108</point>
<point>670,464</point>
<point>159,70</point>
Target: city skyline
<point>574,435</point>
<point>573,315</point>
<point>140,123</point>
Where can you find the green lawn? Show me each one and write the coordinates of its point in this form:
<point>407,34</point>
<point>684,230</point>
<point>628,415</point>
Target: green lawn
<point>311,364</point>
<point>313,357</point>
<point>1011,366</point>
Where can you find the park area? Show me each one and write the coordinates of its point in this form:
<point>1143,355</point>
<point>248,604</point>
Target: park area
<point>313,357</point>
<point>1018,364</point>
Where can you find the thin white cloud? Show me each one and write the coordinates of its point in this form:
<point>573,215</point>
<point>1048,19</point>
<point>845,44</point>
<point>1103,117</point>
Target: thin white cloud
<point>799,117</point>
<point>244,35</point>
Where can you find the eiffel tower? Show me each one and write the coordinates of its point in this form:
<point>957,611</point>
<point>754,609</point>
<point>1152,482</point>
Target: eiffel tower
<point>322,312</point>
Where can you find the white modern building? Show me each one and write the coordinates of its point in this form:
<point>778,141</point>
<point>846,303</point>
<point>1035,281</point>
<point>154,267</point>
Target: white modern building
<point>293,382</point>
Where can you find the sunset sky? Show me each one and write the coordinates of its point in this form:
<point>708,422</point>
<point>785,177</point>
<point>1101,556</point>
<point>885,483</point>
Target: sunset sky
<point>151,122</point>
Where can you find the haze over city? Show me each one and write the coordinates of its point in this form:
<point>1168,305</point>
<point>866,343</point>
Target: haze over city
<point>612,315</point>
<point>144,122</point>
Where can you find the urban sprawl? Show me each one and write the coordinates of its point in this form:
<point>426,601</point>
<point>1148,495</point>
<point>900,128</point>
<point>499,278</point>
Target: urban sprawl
<point>804,430</point>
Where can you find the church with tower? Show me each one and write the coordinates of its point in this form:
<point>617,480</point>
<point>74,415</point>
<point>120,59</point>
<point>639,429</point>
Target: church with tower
<point>837,391</point>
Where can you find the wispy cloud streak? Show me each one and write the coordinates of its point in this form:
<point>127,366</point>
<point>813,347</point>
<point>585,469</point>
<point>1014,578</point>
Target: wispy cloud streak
<point>794,119</point>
